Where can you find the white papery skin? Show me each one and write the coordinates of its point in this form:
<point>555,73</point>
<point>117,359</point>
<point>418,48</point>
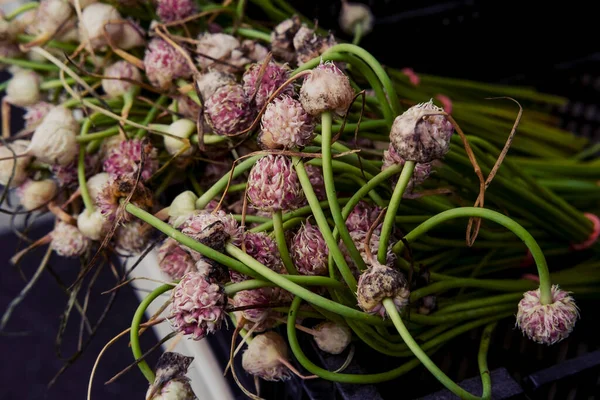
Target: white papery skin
<point>34,194</point>
<point>263,357</point>
<point>175,389</point>
<point>6,166</point>
<point>54,143</point>
<point>92,24</point>
<point>83,3</point>
<point>92,224</point>
<point>209,82</point>
<point>332,338</point>
<point>353,14</point>
<point>96,183</point>
<point>50,17</point>
<point>121,69</point>
<point>62,115</point>
<point>181,207</point>
<point>327,88</point>
<point>23,89</point>
<point>182,128</point>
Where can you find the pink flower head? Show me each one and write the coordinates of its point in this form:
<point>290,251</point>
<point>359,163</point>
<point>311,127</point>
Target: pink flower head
<point>66,176</point>
<point>263,248</point>
<point>547,323</point>
<point>285,125</point>
<point>132,237</point>
<point>198,306</point>
<point>309,44</point>
<point>421,134</point>
<point>174,260</point>
<point>126,159</point>
<point>273,184</point>
<point>175,10</point>
<point>420,173</point>
<point>259,315</point>
<point>228,110</point>
<point>360,241</point>
<point>362,217</point>
<point>380,282</point>
<point>163,63</point>
<point>120,70</point>
<point>271,78</point>
<point>315,176</point>
<point>67,241</point>
<point>309,251</point>
<point>212,229</point>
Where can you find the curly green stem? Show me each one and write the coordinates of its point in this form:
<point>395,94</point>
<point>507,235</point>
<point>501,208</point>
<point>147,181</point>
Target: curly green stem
<point>486,379</point>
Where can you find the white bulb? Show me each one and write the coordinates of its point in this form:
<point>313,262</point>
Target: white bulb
<point>54,143</point>
<point>91,224</point>
<point>23,89</point>
<point>95,20</point>
<point>182,128</point>
<point>96,183</point>
<point>34,194</point>
<point>6,166</point>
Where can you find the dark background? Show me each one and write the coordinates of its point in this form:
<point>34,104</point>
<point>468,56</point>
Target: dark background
<point>530,43</point>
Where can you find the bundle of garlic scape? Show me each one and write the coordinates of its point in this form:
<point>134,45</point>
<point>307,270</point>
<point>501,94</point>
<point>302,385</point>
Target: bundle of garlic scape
<point>287,178</point>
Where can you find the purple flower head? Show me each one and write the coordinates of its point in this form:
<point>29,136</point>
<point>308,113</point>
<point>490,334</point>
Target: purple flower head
<point>125,160</point>
<point>174,260</point>
<point>271,78</point>
<point>163,63</point>
<point>132,237</point>
<point>285,125</point>
<point>273,184</point>
<point>212,229</point>
<point>309,251</point>
<point>228,110</point>
<point>263,248</point>
<point>259,315</point>
<point>362,217</point>
<point>108,199</point>
<point>198,306</point>
<point>175,10</point>
<point>121,69</point>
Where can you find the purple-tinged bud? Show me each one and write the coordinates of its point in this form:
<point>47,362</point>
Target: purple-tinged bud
<point>228,110</point>
<point>264,355</point>
<point>170,382</point>
<point>125,160</point>
<point>362,217</point>
<point>547,323</point>
<point>360,241</point>
<point>378,283</point>
<point>50,17</point>
<point>209,82</point>
<point>198,307</point>
<point>18,147</point>
<point>254,51</point>
<point>354,15</point>
<point>175,10</point>
<point>420,173</point>
<point>263,249</point>
<point>271,78</point>
<point>317,181</point>
<point>219,51</point>
<point>23,88</point>
<point>109,198</point>
<point>35,114</point>
<point>326,88</point>
<point>273,184</point>
<point>282,39</point>
<point>259,315</point>
<point>174,260</point>
<point>332,338</point>
<point>182,207</point>
<point>132,237</point>
<point>285,125</point>
<point>92,224</point>
<point>309,250</point>
<point>421,134</point>
<point>35,194</point>
<point>67,241</point>
<point>309,45</point>
<point>120,70</point>
<point>163,63</point>
<point>212,229</point>
<point>95,24</point>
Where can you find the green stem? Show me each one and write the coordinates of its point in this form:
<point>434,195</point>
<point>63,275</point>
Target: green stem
<point>220,185</point>
<point>335,376</point>
<point>69,47</point>
<point>299,291</point>
<point>83,188</point>
<point>251,34</point>
<point>323,225</point>
<point>151,115</point>
<point>390,214</point>
<point>281,244</point>
<point>135,328</point>
<point>357,34</point>
<point>421,355</point>
<point>20,10</point>
<point>34,65</point>
<point>334,206</point>
<point>486,379</point>
<point>476,303</point>
<point>518,230</point>
<point>304,280</point>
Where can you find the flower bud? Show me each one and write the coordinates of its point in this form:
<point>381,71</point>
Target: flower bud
<point>332,338</point>
<point>121,69</point>
<point>95,21</point>
<point>263,249</point>
<point>220,47</point>
<point>175,10</point>
<point>92,224</point>
<point>309,251</point>
<point>109,198</point>
<point>282,39</point>
<point>54,142</point>
<point>182,207</point>
<point>35,194</point>
<point>378,283</point>
<point>198,307</point>
<point>254,51</point>
<point>127,159</point>
<point>362,217</point>
<point>212,229</point>
<point>174,260</point>
<point>163,63</point>
<point>263,357</point>
<point>309,45</point>
<point>50,16</point>
<point>170,382</point>
<point>64,116</point>
<point>273,184</point>
<point>356,14</point>
<point>188,108</point>
<point>421,134</point>
<point>23,88</point>
<point>209,82</point>
<point>67,241</point>
<point>96,184</point>
<point>259,315</point>
<point>327,88</point>
<point>132,237</point>
<point>547,323</point>
<point>285,125</point>
<point>182,128</point>
<point>228,110</point>
<point>420,173</point>
<point>271,76</point>
<point>18,147</point>
<point>133,36</point>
